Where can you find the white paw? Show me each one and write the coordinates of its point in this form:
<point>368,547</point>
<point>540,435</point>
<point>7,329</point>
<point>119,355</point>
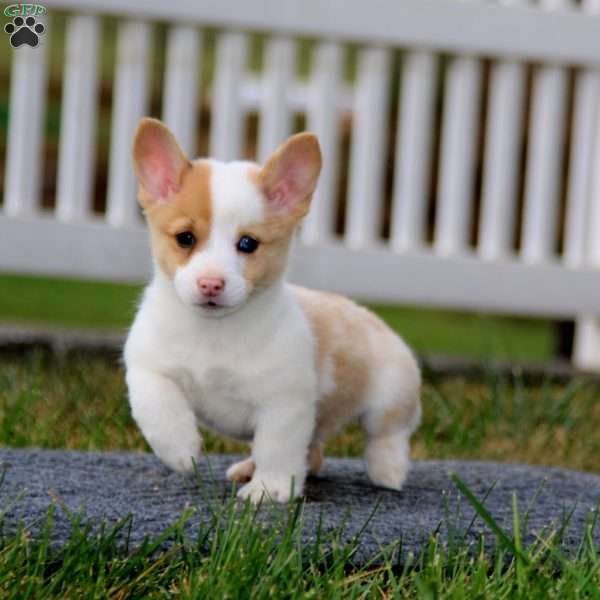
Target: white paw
<point>389,475</point>
<point>274,488</point>
<point>179,455</point>
<point>241,471</point>
<point>388,460</point>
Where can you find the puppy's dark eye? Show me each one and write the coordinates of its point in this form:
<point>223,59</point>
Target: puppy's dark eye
<point>247,244</point>
<point>185,239</point>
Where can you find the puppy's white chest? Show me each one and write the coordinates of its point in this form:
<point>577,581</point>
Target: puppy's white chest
<point>221,400</point>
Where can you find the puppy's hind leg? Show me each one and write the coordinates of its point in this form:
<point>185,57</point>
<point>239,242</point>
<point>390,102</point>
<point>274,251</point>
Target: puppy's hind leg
<point>393,413</point>
<point>241,471</point>
<point>388,459</point>
<point>316,456</point>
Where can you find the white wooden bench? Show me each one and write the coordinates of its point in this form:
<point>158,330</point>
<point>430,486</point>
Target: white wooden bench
<point>501,73</point>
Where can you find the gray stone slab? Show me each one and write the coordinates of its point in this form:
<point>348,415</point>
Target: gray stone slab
<point>109,486</point>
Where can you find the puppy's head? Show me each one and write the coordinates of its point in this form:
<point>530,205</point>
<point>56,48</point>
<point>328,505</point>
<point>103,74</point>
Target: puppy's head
<point>221,231</point>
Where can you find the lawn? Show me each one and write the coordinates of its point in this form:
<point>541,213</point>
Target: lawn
<point>80,403</point>
<point>68,303</point>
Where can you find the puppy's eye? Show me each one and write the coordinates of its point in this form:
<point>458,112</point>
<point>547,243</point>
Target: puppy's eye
<point>247,244</point>
<point>186,239</point>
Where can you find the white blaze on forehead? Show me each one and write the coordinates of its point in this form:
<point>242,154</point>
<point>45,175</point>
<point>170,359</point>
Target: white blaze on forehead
<point>236,201</point>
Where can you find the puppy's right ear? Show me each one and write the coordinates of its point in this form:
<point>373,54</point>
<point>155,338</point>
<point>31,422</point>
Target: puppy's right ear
<point>159,162</point>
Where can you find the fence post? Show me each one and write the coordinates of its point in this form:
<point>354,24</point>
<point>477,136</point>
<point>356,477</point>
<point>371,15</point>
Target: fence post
<point>586,354</point>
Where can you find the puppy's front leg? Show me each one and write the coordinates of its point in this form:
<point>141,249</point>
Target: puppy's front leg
<point>165,418</point>
<point>282,435</point>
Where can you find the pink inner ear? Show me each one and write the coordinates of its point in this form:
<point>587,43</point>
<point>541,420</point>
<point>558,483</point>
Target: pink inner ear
<point>159,174</point>
<point>288,188</point>
<point>281,195</point>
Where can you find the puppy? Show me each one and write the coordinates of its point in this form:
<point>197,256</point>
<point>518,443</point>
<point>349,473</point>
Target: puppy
<point>221,339</point>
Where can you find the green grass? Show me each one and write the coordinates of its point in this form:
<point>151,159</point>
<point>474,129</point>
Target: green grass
<point>236,555</point>
<point>76,303</point>
<point>66,303</point>
<point>79,402</point>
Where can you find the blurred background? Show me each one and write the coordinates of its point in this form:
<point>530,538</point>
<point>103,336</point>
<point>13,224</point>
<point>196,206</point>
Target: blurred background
<point>462,150</point>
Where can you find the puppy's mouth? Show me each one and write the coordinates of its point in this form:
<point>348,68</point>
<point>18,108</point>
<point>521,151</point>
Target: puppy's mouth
<point>211,304</point>
<point>214,308</point>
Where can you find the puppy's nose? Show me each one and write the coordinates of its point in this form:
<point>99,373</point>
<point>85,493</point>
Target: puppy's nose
<point>210,286</point>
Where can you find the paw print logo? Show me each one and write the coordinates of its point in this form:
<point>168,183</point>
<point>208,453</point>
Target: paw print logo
<point>24,31</point>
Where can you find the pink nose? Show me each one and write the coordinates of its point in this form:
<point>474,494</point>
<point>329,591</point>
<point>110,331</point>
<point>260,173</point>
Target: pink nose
<point>210,286</point>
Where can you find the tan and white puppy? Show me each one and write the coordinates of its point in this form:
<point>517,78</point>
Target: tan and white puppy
<point>221,339</point>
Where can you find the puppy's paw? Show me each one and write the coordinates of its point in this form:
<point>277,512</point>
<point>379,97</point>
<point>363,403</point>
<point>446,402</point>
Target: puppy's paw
<point>269,488</point>
<point>179,454</point>
<point>391,476</point>
<point>241,471</point>
<point>388,460</point>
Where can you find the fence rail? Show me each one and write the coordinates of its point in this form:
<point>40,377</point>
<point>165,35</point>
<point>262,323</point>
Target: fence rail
<point>462,158</point>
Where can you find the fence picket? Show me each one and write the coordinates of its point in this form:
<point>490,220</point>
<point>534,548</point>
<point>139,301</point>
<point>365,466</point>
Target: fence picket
<point>27,104</point>
<point>181,87</point>
<point>586,352</point>
<point>227,109</point>
<point>586,106</point>
<point>544,158</point>
<point>76,159</point>
<point>501,159</point>
<point>582,247</point>
<point>413,149</point>
<point>371,112</point>
<point>457,159</point>
<point>277,78</point>
<point>129,105</point>
<point>324,121</point>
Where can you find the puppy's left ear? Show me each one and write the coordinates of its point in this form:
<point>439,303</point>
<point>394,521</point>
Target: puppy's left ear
<point>159,162</point>
<point>290,176</point>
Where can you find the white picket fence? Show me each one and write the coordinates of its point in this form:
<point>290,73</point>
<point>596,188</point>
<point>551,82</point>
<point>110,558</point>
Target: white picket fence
<point>527,72</point>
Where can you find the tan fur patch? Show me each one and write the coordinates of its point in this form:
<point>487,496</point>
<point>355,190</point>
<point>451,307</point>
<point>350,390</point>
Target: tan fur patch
<point>315,457</point>
<point>399,414</point>
<point>287,182</point>
<point>190,209</point>
<point>338,325</point>
<point>275,234</point>
<point>268,262</point>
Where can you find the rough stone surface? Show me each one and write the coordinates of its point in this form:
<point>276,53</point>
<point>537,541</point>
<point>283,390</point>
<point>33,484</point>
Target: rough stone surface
<point>109,486</point>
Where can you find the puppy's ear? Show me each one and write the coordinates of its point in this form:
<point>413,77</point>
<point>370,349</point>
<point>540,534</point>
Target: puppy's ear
<point>159,162</point>
<point>290,176</point>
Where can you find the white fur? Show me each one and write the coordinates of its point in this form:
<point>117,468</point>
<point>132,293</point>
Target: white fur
<point>232,374</point>
<point>236,202</point>
<point>182,368</point>
<point>247,369</point>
